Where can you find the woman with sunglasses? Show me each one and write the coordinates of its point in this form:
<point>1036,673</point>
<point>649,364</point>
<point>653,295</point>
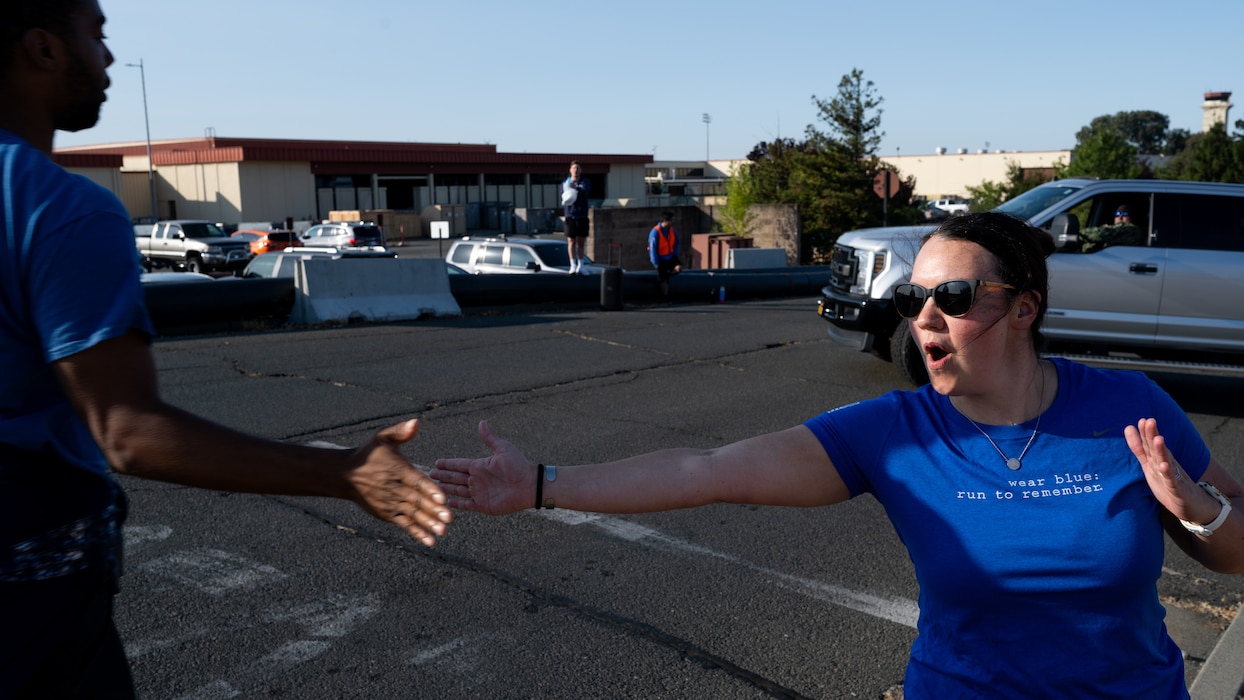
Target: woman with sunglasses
<point>1031,493</point>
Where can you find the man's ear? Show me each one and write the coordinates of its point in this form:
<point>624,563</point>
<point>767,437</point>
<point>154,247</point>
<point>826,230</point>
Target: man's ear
<point>42,48</point>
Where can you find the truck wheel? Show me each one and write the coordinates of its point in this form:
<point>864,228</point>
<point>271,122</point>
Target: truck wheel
<point>881,346</point>
<point>194,265</point>
<point>908,358</point>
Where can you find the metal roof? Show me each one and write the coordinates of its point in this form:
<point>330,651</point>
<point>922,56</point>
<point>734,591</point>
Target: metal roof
<point>467,157</point>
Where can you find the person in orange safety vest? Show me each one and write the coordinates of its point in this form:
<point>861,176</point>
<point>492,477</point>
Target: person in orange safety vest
<point>663,251</point>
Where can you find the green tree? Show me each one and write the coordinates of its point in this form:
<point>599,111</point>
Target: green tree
<point>736,216</point>
<point>1213,156</point>
<point>769,167</point>
<point>1176,141</point>
<point>989,195</point>
<point>1102,152</point>
<point>829,175</point>
<point>1145,130</point>
<point>832,178</point>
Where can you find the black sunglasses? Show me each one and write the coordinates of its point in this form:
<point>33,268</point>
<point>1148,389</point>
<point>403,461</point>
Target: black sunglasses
<point>953,297</point>
<point>1121,213</point>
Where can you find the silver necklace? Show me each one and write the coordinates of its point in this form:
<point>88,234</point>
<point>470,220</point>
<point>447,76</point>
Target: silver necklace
<point>1013,463</point>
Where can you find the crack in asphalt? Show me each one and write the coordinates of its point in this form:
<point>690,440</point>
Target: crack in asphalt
<point>685,361</point>
<point>634,628</point>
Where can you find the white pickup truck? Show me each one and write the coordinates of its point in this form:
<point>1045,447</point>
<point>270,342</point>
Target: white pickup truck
<point>951,205</point>
<point>1171,294</point>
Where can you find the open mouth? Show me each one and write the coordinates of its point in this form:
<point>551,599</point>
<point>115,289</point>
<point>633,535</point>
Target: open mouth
<point>935,352</point>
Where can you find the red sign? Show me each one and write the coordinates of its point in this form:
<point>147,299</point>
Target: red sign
<point>886,184</point>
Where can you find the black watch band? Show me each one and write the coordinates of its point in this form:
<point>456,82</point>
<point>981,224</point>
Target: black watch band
<point>539,485</point>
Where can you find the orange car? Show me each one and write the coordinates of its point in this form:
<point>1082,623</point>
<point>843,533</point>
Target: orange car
<point>264,241</point>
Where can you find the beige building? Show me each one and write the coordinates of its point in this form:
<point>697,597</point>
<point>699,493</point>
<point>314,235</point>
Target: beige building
<point>232,180</point>
<point>937,175</point>
<point>943,174</point>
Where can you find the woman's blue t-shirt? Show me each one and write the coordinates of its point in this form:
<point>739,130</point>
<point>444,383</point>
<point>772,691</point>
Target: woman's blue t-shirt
<point>1039,582</point>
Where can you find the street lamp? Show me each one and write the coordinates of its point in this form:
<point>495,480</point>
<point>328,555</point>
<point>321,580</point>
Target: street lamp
<point>706,119</point>
<point>155,215</point>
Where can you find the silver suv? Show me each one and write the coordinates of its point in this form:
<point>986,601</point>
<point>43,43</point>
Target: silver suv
<point>514,256</point>
<point>1169,290</point>
<point>343,234</point>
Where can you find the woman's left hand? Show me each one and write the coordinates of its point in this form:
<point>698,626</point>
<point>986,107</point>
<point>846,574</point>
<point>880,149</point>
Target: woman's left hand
<point>1168,481</point>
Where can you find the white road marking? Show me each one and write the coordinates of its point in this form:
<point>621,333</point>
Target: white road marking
<point>287,656</point>
<point>427,655</point>
<point>213,571</point>
<point>471,659</point>
<point>895,609</point>
<point>334,616</point>
<point>135,536</point>
<point>284,658</point>
<point>216,690</point>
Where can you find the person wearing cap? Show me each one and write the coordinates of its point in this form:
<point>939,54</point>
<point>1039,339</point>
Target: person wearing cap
<point>1121,232</point>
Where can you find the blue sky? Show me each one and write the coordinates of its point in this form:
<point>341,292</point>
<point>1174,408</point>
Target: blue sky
<point>636,77</point>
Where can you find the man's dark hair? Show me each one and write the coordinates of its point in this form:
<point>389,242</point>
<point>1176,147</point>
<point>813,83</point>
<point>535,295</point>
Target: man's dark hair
<point>667,216</point>
<point>20,16</point>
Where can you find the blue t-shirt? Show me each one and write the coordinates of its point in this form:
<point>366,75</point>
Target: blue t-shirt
<point>1040,582</point>
<point>69,279</point>
<point>578,209</point>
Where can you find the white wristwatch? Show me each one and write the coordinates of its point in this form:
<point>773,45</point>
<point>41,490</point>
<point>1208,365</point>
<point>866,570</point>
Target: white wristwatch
<point>1208,529</point>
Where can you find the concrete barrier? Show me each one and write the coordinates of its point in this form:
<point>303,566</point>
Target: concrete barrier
<point>640,286</point>
<point>225,300</point>
<point>223,304</point>
<point>398,289</point>
<point>755,257</point>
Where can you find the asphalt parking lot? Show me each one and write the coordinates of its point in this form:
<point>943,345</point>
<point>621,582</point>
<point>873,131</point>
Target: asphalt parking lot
<point>241,596</point>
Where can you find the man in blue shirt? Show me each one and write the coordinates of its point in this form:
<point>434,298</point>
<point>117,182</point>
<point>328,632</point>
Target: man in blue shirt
<point>78,394</point>
<point>663,251</point>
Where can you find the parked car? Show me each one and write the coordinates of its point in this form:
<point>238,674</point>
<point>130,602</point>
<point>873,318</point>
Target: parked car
<point>514,256</point>
<point>932,213</point>
<point>166,277</point>
<point>343,234</point>
<point>1169,292</point>
<point>281,263</point>
<point>952,205</point>
<point>195,246</point>
<point>265,241</point>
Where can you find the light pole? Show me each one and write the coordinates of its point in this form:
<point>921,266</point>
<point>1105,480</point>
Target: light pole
<point>142,72</point>
<point>707,119</point>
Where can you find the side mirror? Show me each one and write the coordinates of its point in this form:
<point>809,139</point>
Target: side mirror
<point>1065,229</point>
<point>533,265</point>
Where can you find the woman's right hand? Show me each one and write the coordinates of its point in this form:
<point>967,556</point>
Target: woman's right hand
<point>502,483</point>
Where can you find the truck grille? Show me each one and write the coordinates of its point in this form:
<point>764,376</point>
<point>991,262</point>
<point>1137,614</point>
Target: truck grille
<point>843,267</point>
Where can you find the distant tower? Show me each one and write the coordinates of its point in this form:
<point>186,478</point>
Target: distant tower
<point>1215,108</point>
